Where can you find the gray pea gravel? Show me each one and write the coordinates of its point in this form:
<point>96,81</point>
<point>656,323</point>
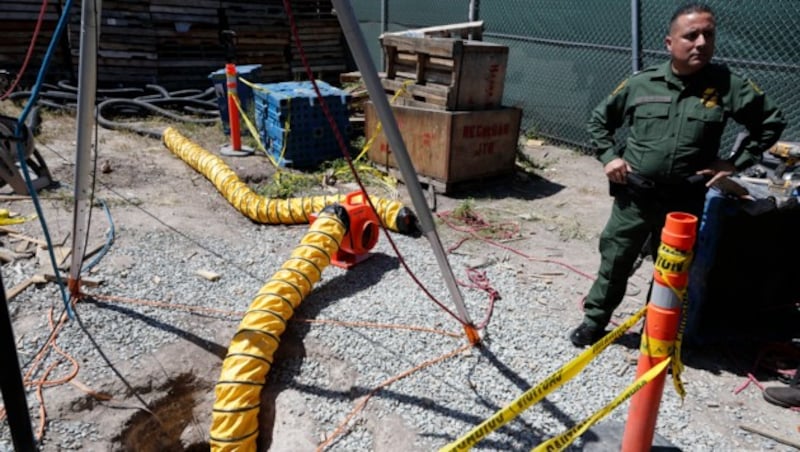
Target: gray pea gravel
<point>337,365</point>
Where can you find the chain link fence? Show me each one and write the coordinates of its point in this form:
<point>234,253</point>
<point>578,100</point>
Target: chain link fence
<point>565,56</point>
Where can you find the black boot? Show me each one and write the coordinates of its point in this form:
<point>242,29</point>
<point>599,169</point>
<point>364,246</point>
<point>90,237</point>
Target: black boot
<point>586,334</point>
<point>786,397</point>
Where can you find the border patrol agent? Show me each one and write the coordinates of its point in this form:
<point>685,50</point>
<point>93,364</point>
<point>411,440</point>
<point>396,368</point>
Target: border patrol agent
<point>676,113</point>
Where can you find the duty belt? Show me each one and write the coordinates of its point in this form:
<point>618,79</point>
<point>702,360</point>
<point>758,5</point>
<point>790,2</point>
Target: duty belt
<point>642,188</point>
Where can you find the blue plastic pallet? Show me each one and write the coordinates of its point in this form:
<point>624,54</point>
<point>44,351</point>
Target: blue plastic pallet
<point>305,155</point>
<point>278,99</point>
<point>302,150</point>
<point>310,139</point>
<point>298,110</point>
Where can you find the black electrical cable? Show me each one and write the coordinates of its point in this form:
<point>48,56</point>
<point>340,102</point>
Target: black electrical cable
<point>188,105</point>
<point>120,106</point>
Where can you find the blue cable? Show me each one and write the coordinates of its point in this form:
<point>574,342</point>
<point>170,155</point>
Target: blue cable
<point>21,150</point>
<point>109,240</point>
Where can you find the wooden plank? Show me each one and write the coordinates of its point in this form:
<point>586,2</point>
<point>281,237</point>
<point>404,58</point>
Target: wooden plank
<point>15,234</point>
<point>475,72</point>
<point>481,76</point>
<point>441,47</point>
<point>85,281</point>
<point>462,30</point>
<point>19,288</point>
<point>7,255</point>
<point>436,95</point>
<point>61,254</point>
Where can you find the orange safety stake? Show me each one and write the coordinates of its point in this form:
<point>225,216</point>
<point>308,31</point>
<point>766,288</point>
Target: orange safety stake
<point>235,149</point>
<point>661,326</point>
<point>233,112</point>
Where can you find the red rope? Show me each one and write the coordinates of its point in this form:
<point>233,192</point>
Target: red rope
<point>478,280</point>
<point>343,147</point>
<point>31,46</point>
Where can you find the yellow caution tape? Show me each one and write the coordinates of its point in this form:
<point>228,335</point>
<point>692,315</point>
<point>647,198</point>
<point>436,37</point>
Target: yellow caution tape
<point>656,348</point>
<point>254,131</point>
<point>246,118</point>
<point>677,364</point>
<point>6,219</point>
<point>369,142</point>
<point>538,392</point>
<point>672,260</point>
<point>252,85</point>
<point>287,127</point>
<point>379,126</point>
<point>561,442</point>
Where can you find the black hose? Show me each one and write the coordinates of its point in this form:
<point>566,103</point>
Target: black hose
<point>119,104</point>
<point>189,105</point>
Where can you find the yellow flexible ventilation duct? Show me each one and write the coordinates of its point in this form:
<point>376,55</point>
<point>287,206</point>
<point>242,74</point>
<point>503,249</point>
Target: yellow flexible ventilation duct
<point>234,422</point>
<point>392,214</point>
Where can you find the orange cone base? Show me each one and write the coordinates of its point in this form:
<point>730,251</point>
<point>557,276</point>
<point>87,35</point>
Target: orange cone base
<point>243,151</point>
<point>643,410</point>
<point>348,260</point>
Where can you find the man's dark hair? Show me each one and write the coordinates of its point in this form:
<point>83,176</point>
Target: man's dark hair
<point>689,8</point>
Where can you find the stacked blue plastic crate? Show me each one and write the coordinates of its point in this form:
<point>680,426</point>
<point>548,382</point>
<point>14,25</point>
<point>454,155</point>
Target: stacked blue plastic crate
<point>293,125</point>
<point>251,72</point>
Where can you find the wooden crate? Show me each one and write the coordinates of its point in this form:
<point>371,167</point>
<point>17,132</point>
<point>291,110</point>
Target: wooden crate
<point>444,73</point>
<point>450,146</point>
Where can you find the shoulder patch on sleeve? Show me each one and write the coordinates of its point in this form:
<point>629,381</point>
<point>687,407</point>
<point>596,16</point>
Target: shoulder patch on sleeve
<point>619,87</point>
<point>755,87</point>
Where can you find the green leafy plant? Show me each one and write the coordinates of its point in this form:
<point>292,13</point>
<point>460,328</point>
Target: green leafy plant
<point>465,210</point>
<point>532,133</point>
<point>287,185</point>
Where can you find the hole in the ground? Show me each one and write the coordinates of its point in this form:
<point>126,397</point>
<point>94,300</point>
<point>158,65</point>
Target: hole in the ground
<point>162,429</point>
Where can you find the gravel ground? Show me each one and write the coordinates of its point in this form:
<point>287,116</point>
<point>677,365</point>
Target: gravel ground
<point>158,343</point>
<point>340,364</point>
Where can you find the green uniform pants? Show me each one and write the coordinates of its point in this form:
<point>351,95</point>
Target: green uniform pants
<point>632,220</point>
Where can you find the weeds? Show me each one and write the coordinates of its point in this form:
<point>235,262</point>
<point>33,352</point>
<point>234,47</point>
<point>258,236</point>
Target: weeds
<point>287,185</point>
<point>526,163</point>
<point>465,210</point>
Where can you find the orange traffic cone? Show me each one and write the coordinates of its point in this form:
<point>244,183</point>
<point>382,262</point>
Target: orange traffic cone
<point>661,326</point>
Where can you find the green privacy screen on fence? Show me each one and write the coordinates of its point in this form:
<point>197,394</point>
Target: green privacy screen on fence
<point>566,55</point>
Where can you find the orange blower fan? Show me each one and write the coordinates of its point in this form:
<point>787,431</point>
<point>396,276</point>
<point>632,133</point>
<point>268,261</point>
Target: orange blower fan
<point>362,232</point>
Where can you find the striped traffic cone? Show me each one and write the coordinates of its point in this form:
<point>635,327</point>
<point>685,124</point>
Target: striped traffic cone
<point>662,321</point>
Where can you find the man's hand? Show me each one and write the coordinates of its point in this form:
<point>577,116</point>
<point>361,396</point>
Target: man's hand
<point>617,170</point>
<point>717,170</point>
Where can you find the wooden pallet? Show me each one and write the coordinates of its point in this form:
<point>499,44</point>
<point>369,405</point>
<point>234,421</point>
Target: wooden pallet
<point>466,30</point>
<point>177,42</point>
<point>449,74</point>
<point>431,95</point>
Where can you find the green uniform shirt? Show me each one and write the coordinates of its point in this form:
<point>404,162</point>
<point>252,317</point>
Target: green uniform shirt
<point>676,123</point>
